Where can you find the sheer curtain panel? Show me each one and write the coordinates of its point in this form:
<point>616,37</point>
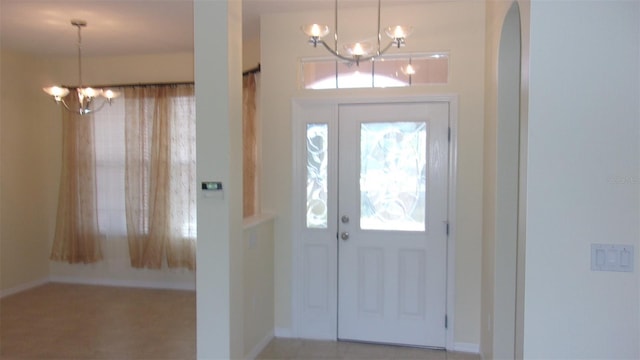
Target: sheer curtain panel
<point>250,147</point>
<point>160,179</point>
<point>77,237</point>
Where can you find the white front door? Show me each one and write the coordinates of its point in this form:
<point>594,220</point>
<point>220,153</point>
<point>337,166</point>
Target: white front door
<point>392,207</point>
<point>370,221</point>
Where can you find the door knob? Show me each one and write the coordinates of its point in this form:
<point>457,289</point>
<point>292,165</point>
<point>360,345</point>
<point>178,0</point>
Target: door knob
<point>344,236</point>
<point>345,219</point>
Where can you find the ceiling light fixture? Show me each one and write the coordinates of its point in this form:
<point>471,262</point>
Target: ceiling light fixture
<point>86,95</point>
<point>359,51</point>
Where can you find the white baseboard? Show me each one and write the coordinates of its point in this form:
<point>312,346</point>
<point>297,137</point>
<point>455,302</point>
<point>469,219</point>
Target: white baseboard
<point>260,346</point>
<point>22,287</point>
<point>124,283</point>
<point>283,333</point>
<point>466,347</point>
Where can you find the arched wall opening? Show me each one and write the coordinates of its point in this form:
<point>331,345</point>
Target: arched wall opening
<point>507,186</point>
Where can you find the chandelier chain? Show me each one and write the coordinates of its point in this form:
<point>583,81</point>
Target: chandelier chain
<point>378,49</point>
<point>79,26</point>
<point>335,34</point>
<point>85,96</point>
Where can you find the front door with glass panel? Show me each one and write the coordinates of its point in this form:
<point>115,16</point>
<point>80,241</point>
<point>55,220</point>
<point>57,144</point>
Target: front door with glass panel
<point>370,220</point>
<point>392,216</point>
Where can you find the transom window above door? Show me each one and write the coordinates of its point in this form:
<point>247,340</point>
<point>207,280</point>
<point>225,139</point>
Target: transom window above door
<point>389,71</point>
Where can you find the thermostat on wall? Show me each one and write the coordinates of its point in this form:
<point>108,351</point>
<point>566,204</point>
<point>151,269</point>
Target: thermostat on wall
<point>211,185</point>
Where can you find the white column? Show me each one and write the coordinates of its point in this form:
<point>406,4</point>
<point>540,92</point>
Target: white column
<point>218,84</point>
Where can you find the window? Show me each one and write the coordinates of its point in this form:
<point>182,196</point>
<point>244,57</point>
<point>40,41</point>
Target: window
<point>129,172</point>
<point>388,71</point>
<point>111,165</point>
<point>110,169</point>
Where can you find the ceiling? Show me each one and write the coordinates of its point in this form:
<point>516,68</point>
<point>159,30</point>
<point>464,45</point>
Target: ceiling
<point>125,27</point>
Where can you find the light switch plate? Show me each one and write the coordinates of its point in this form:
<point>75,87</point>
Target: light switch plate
<point>612,257</point>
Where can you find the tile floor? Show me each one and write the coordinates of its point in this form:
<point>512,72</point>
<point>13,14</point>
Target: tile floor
<point>63,321</point>
<point>314,349</point>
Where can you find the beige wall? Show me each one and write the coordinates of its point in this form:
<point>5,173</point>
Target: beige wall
<point>107,70</point>
<point>258,253</point>
<point>457,27</point>
<point>496,11</point>
<point>250,53</point>
<point>30,143</point>
<point>258,284</point>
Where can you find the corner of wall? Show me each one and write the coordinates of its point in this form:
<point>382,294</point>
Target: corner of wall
<point>29,172</point>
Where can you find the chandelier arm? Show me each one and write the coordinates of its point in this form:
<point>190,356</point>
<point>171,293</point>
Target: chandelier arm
<point>87,110</point>
<point>370,57</point>
<point>352,59</point>
<point>64,103</point>
<point>386,48</point>
<point>103,103</point>
<point>80,110</point>
<point>335,53</point>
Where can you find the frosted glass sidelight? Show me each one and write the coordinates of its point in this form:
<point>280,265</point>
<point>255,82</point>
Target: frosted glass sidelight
<point>317,161</point>
<point>393,176</point>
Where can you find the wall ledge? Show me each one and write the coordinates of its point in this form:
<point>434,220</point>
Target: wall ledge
<point>466,347</point>
<point>256,220</point>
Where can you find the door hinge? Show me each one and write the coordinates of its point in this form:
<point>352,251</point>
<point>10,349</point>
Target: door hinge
<point>447,228</point>
<point>449,134</point>
<point>446,322</point>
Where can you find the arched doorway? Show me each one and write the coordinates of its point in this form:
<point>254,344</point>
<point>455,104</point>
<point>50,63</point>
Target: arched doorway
<point>507,185</point>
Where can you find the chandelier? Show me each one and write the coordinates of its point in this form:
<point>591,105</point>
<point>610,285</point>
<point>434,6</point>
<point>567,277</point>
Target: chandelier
<point>86,96</point>
<point>359,51</point>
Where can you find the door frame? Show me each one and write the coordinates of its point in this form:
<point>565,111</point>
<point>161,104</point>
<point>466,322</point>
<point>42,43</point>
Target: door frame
<point>302,324</point>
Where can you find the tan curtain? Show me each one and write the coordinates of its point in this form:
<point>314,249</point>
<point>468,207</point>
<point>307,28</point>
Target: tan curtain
<point>160,183</point>
<point>250,149</point>
<point>77,237</point>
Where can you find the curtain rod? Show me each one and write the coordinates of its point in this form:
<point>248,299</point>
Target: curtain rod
<point>244,73</point>
<point>135,85</point>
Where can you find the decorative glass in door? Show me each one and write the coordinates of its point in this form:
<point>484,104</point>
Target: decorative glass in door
<point>317,178</point>
<point>393,175</point>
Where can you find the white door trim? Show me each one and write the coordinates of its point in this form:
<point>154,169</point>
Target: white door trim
<point>300,325</point>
